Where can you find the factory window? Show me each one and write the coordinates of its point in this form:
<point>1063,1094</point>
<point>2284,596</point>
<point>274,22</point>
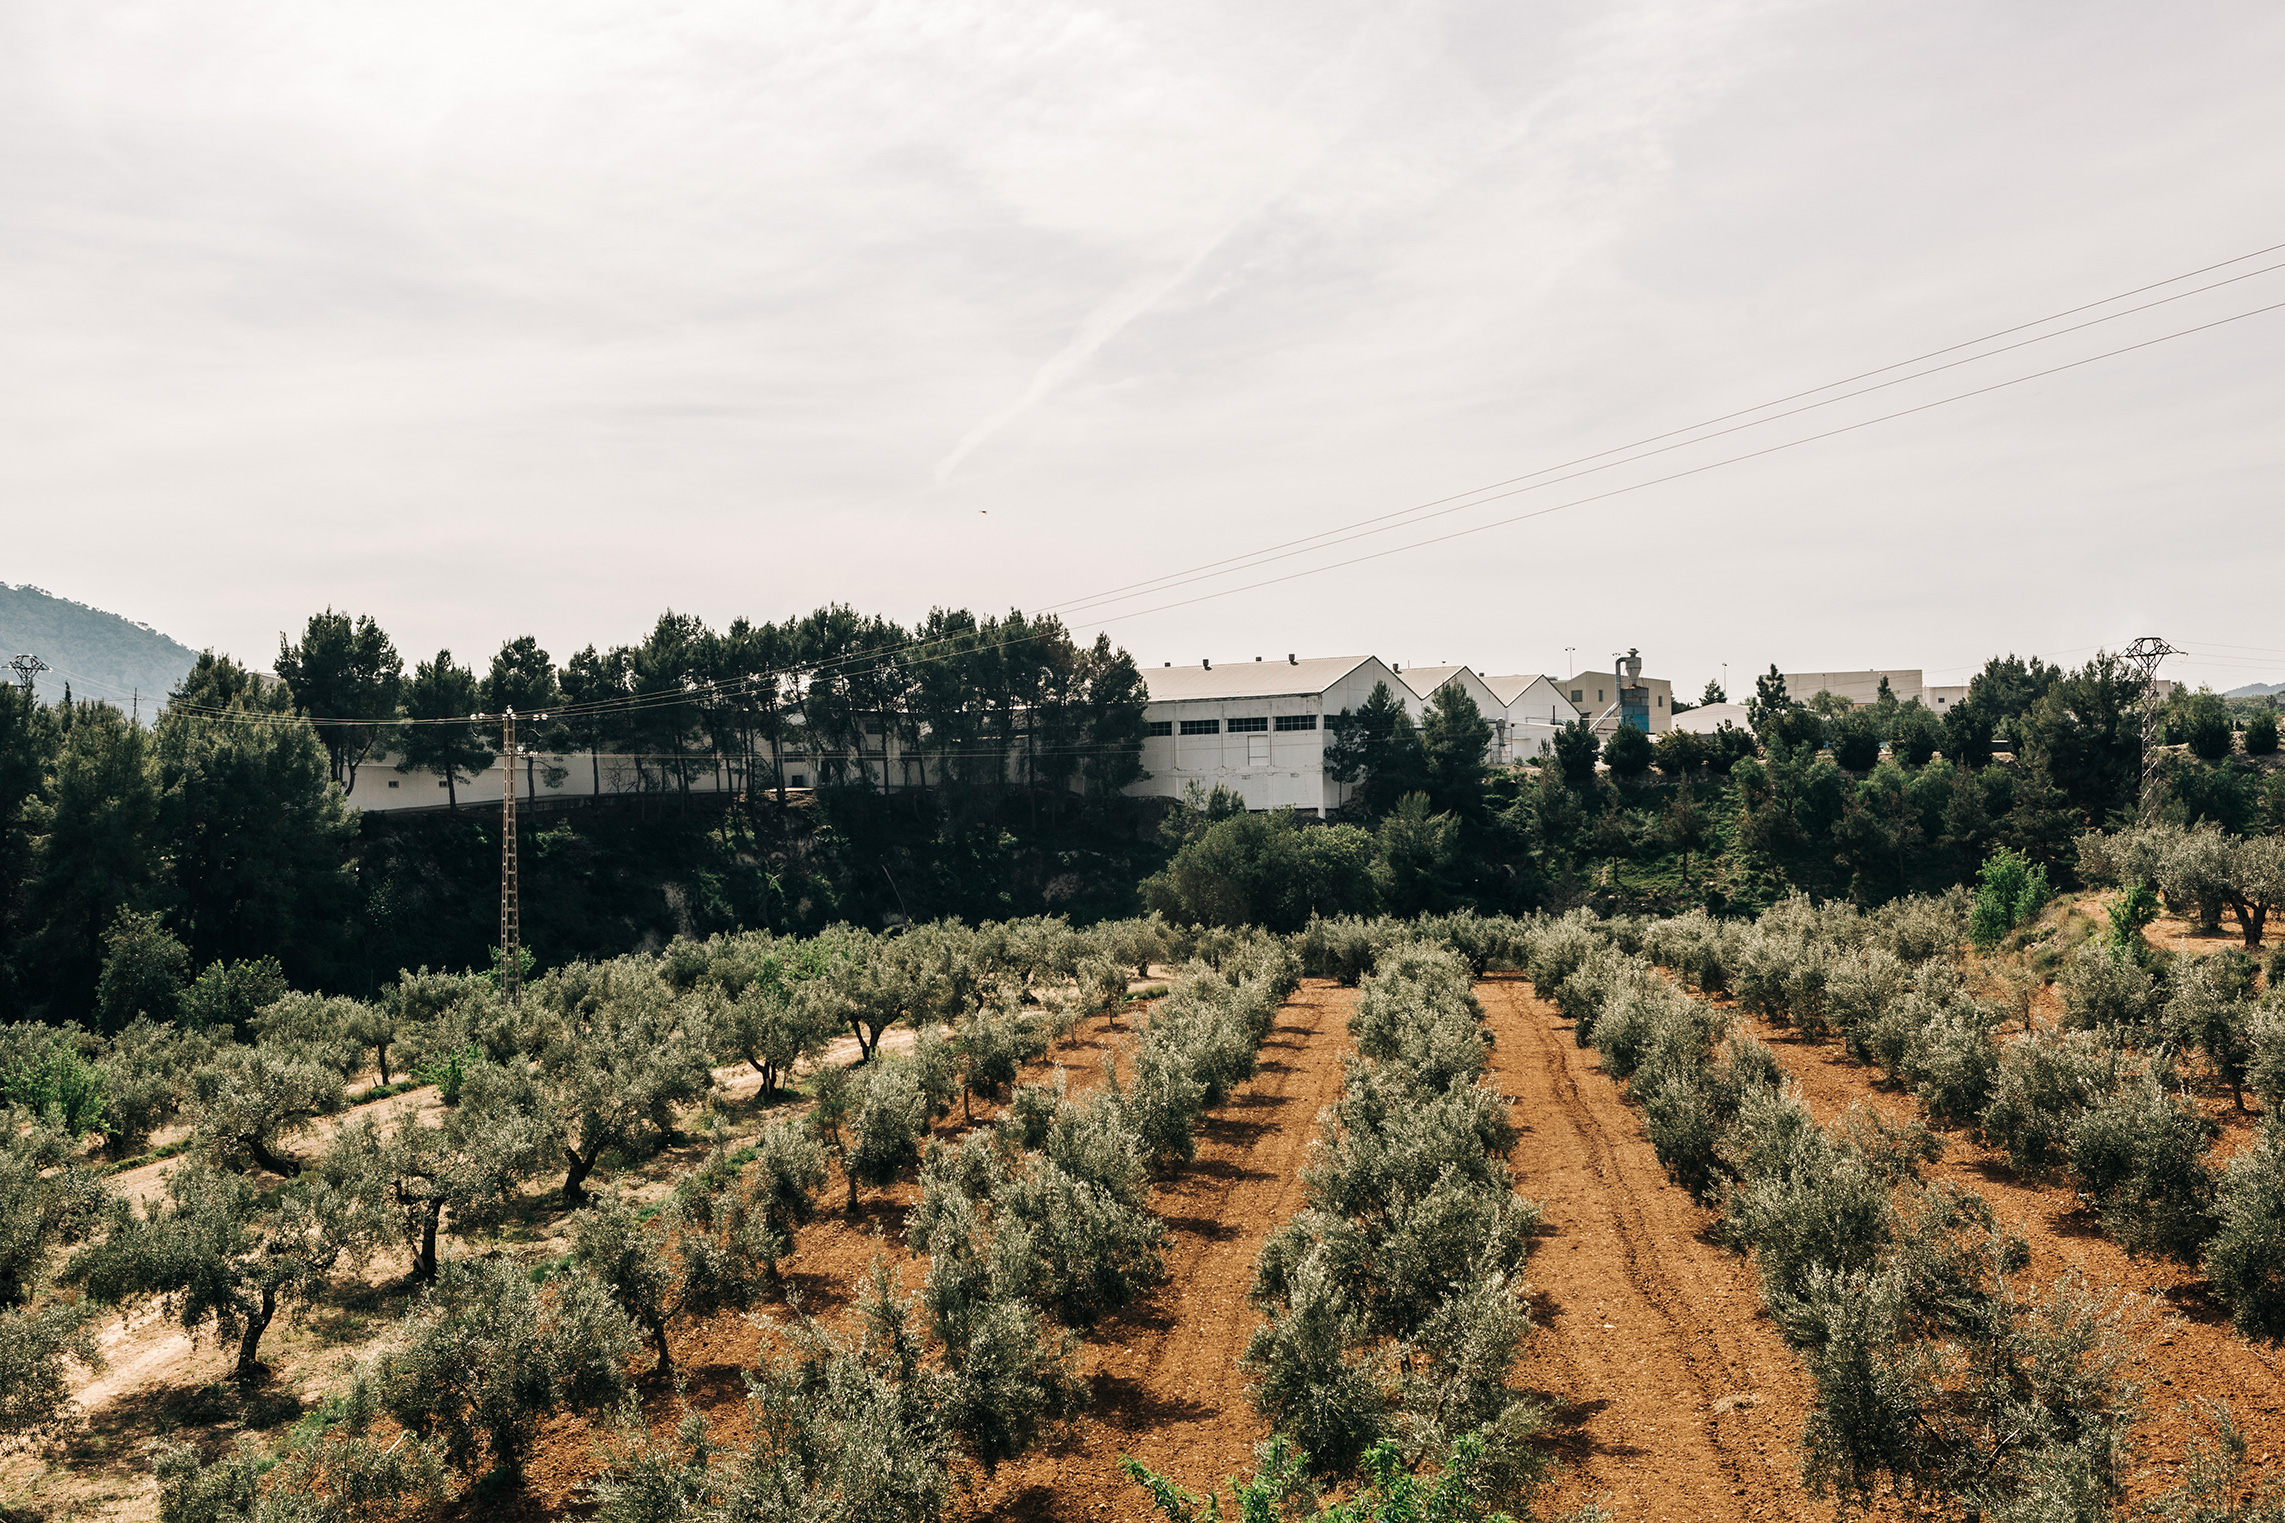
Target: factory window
<point>1249,726</point>
<point>392,782</point>
<point>798,780</point>
<point>1297,721</point>
<point>1575,695</point>
<point>1201,727</point>
<point>1158,727</point>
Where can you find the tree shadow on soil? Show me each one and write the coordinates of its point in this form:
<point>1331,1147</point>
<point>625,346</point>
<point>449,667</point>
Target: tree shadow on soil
<point>1566,1437</point>
<point>115,1437</point>
<point>2195,1301</point>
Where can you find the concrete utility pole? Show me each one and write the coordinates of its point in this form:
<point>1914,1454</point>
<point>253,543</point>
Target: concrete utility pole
<point>25,667</point>
<point>2143,657</point>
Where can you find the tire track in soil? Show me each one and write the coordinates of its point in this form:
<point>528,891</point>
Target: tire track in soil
<point>1674,1395</point>
<point>1165,1374</point>
<point>2201,1356</point>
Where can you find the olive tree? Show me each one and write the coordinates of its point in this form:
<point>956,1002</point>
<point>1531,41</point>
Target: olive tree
<point>220,1252</point>
<point>487,1354</point>
<point>709,1249</point>
<point>2246,1258</point>
<point>251,1100</point>
<point>47,1198</point>
<point>470,1162</point>
<point>618,1051</point>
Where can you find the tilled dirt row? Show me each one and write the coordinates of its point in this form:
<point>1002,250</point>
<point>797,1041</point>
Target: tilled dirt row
<point>1167,1385</point>
<point>2199,1355</point>
<point>1675,1396</point>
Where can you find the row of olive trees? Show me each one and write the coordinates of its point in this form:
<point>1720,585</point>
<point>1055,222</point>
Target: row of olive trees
<point>593,1066</point>
<point>584,1067</point>
<point>1936,1373</point>
<point>2102,1102</point>
<point>1035,1226</point>
<point>1392,1300</point>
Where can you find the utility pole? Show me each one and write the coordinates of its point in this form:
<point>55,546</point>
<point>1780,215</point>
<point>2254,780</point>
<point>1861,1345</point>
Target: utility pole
<point>511,950</point>
<point>24,667</point>
<point>2143,657</point>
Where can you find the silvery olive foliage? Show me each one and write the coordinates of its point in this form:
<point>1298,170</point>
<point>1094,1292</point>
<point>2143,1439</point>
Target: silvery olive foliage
<point>1392,1301</point>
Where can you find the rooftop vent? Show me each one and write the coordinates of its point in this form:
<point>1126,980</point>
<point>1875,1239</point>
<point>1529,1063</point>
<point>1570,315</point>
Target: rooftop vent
<point>1207,664</point>
<point>1257,658</point>
<point>1291,659</point>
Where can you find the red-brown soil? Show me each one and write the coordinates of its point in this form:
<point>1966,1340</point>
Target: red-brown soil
<point>1675,1397</point>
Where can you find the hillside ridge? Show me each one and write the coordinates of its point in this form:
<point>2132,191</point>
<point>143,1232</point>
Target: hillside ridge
<point>98,653</point>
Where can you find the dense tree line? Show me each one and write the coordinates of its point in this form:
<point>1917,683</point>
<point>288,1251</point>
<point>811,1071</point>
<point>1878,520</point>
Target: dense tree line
<point>1864,803</point>
<point>965,700</point>
<point>224,820</point>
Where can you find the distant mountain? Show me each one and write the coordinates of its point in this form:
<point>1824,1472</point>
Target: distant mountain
<point>2255,690</point>
<point>100,654</point>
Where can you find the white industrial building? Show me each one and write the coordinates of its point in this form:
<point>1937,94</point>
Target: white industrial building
<point>1532,709</point>
<point>1421,684</point>
<point>1255,727</point>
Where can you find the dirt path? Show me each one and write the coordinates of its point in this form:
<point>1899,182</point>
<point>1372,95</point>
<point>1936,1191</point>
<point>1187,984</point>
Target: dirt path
<point>1167,1385</point>
<point>2201,1356</point>
<point>1680,1400</point>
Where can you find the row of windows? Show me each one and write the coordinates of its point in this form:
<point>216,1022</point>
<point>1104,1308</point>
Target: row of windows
<point>1253,726</point>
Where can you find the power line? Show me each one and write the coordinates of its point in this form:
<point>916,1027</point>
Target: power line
<point>745,683</point>
<point>1709,466</point>
<point>1460,502</point>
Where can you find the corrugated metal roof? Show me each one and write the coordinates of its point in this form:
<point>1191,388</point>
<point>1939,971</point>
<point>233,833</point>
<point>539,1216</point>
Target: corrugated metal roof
<point>1508,689</point>
<point>1425,680</point>
<point>1248,679</point>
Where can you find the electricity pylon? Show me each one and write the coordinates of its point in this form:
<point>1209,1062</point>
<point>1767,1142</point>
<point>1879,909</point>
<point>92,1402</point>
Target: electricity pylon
<point>25,667</point>
<point>511,928</point>
<point>2142,657</point>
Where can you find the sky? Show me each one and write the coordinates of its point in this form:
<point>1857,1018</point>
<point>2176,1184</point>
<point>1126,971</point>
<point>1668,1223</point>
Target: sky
<point>546,317</point>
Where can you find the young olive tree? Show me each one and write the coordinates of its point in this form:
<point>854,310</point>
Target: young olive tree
<point>487,1354</point>
<point>887,1119</point>
<point>219,1251</point>
<point>711,1248</point>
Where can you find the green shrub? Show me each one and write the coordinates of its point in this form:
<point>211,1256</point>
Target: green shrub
<point>59,1087</point>
<point>2260,734</point>
<point>2010,891</point>
<point>2246,1258</point>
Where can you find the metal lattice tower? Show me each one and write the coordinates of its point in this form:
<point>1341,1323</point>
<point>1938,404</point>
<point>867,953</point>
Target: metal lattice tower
<point>25,668</point>
<point>2142,658</point>
<point>511,950</point>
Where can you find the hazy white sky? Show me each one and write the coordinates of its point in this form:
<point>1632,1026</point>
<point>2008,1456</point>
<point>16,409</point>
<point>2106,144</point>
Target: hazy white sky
<point>546,316</point>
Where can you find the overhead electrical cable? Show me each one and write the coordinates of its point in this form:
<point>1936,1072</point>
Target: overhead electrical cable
<point>1515,486</point>
<point>1696,470</point>
<point>1460,497</point>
